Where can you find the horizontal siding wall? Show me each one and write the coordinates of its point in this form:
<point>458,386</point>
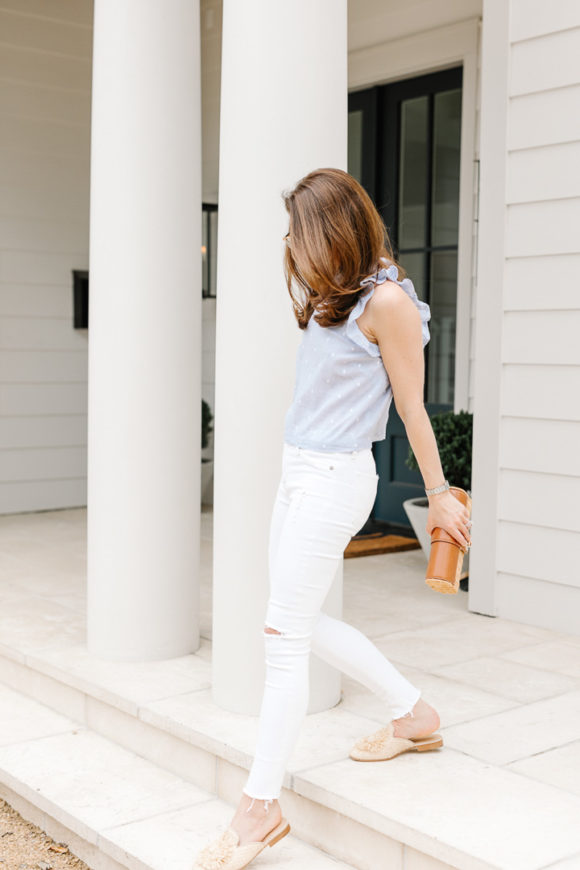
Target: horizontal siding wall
<point>45,98</point>
<point>539,463</point>
<point>45,109</point>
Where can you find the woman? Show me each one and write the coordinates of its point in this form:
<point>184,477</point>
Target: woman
<point>361,319</point>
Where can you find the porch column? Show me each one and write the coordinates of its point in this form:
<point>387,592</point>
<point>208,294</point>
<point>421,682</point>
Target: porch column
<point>144,418</point>
<point>284,112</point>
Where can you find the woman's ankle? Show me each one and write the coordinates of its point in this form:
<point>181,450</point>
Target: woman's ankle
<point>423,718</point>
<point>257,807</point>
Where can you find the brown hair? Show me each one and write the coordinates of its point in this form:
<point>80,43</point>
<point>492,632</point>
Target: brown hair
<point>336,238</point>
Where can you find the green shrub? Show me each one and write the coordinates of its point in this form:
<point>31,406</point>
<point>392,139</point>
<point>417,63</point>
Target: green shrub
<point>206,427</point>
<point>454,435</point>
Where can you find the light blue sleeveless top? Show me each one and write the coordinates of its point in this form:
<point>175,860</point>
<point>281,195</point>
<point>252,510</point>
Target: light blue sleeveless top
<point>342,392</point>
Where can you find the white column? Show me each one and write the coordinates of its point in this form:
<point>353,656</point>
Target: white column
<point>144,424</point>
<point>283,113</point>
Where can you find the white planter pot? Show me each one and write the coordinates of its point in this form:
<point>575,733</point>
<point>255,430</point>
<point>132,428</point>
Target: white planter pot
<point>207,481</point>
<point>417,509</point>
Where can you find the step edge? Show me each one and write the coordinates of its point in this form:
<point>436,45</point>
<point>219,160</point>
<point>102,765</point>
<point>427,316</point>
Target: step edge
<point>396,830</point>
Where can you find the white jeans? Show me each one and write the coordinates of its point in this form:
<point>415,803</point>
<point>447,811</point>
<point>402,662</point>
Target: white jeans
<point>323,499</point>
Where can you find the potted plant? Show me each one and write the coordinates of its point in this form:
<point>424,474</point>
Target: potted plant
<point>206,461</point>
<point>454,436</point>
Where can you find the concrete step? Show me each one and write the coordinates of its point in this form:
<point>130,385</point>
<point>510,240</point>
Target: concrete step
<point>442,810</point>
<point>112,807</point>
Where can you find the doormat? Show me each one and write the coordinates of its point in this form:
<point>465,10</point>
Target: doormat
<point>379,542</point>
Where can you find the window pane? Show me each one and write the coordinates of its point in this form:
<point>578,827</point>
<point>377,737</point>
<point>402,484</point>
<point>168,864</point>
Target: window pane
<point>443,294</point>
<point>446,150</point>
<point>209,251</point>
<point>355,143</point>
<point>205,252</point>
<point>213,227</point>
<point>413,173</point>
<point>414,265</point>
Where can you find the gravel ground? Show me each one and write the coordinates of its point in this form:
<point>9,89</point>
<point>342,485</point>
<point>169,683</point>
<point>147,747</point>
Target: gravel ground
<point>24,846</point>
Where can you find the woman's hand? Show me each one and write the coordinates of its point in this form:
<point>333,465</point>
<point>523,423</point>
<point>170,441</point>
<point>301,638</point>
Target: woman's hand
<point>448,513</point>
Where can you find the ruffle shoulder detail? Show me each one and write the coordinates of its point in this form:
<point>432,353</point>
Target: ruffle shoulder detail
<point>353,330</point>
<point>392,274</point>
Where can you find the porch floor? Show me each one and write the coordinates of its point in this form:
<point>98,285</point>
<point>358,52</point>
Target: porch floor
<point>503,792</point>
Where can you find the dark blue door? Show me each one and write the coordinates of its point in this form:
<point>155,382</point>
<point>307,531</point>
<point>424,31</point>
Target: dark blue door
<point>404,148</point>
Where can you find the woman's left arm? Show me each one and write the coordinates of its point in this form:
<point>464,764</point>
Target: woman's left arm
<point>396,324</point>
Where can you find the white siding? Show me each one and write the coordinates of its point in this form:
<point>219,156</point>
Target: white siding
<point>538,525</point>
<point>45,104</point>
<point>45,76</point>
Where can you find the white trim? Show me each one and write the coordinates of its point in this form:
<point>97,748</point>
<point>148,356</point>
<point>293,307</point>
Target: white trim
<point>431,51</point>
<point>489,304</point>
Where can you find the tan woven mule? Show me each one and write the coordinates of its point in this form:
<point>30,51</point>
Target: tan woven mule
<point>225,854</point>
<point>383,745</point>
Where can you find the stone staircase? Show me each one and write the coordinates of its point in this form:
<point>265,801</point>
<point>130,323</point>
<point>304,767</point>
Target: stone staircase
<point>133,765</point>
<point>114,808</point>
<point>100,757</point>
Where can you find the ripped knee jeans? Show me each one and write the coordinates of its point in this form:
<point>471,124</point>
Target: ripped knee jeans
<point>323,499</point>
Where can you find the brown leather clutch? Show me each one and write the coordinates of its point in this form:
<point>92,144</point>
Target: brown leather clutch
<point>446,554</point>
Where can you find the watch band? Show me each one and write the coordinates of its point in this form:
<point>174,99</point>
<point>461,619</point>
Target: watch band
<point>437,489</point>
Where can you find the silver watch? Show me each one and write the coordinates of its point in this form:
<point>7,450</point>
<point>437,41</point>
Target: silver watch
<point>436,489</point>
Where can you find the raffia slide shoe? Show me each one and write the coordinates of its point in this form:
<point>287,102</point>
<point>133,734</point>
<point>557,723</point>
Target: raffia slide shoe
<point>383,745</point>
<point>225,854</point>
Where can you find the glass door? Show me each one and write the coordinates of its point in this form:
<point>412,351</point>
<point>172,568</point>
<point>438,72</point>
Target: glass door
<point>404,148</point>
